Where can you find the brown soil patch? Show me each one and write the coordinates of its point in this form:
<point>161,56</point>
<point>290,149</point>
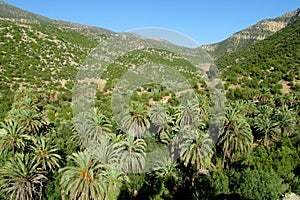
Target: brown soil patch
<point>286,88</point>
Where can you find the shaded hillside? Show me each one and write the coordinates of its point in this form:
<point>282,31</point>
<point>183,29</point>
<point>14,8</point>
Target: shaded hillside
<point>273,63</point>
<point>251,35</point>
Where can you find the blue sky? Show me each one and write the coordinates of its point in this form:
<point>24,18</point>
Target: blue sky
<point>206,22</point>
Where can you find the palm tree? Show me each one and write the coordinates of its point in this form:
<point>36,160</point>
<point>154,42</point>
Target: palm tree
<point>196,149</point>
<point>167,136</point>
<point>31,121</point>
<point>22,94</point>
<point>105,152</point>
<point>136,122</point>
<point>80,130</point>
<point>77,139</point>
<point>82,181</point>
<point>12,136</point>
<point>286,99</point>
<point>113,179</point>
<point>158,115</point>
<point>166,168</point>
<point>188,113</point>
<point>52,96</point>
<point>296,101</point>
<point>165,123</point>
<point>82,118</point>
<point>45,154</point>
<point>267,127</point>
<point>247,107</point>
<point>265,96</point>
<point>98,124</point>
<point>116,136</point>
<point>26,111</point>
<point>264,112</point>
<point>26,102</point>
<point>236,135</point>
<point>21,178</point>
<point>204,107</point>
<point>132,154</point>
<point>286,120</point>
<point>167,173</point>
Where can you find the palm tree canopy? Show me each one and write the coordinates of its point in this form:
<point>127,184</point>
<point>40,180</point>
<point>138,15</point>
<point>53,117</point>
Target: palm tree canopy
<point>158,114</point>
<point>286,119</point>
<point>196,149</point>
<point>188,113</point>
<point>136,122</point>
<point>165,167</point>
<point>12,136</point>
<point>82,181</point>
<point>45,154</point>
<point>132,154</point>
<point>236,135</point>
<point>98,124</point>
<point>105,152</point>
<point>266,126</point>
<point>21,178</point>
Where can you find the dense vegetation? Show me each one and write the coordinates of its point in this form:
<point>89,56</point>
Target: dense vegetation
<point>257,156</point>
<point>272,63</point>
<point>44,154</point>
<point>38,55</point>
<point>251,35</point>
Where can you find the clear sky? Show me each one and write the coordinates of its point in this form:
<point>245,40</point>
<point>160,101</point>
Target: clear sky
<point>206,22</point>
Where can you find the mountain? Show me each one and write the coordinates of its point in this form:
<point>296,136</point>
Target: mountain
<point>9,12</point>
<point>252,34</point>
<point>87,142</point>
<point>272,63</point>
<point>37,52</point>
<point>44,53</point>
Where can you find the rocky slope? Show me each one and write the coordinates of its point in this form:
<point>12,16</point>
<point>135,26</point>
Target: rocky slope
<point>251,35</point>
<point>272,63</point>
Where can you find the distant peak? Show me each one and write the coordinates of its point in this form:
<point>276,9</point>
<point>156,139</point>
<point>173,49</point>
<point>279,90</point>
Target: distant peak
<point>157,39</point>
<point>248,36</point>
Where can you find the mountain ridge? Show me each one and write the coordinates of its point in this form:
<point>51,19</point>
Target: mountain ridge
<point>47,56</point>
<point>257,32</point>
<point>8,11</point>
<point>239,40</point>
<point>272,63</point>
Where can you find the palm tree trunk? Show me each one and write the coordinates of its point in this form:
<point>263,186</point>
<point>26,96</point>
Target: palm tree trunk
<point>193,181</point>
<point>41,192</point>
<point>14,152</point>
<point>282,131</point>
<point>223,161</point>
<point>62,194</point>
<point>265,140</point>
<point>224,155</point>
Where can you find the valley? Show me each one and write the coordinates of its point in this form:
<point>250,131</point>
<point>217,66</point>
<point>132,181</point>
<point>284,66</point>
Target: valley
<point>88,113</point>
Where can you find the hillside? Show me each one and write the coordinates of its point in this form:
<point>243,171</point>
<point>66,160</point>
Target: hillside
<point>272,63</point>
<point>8,12</point>
<point>252,34</point>
<point>40,52</point>
<point>37,52</point>
<point>85,114</point>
